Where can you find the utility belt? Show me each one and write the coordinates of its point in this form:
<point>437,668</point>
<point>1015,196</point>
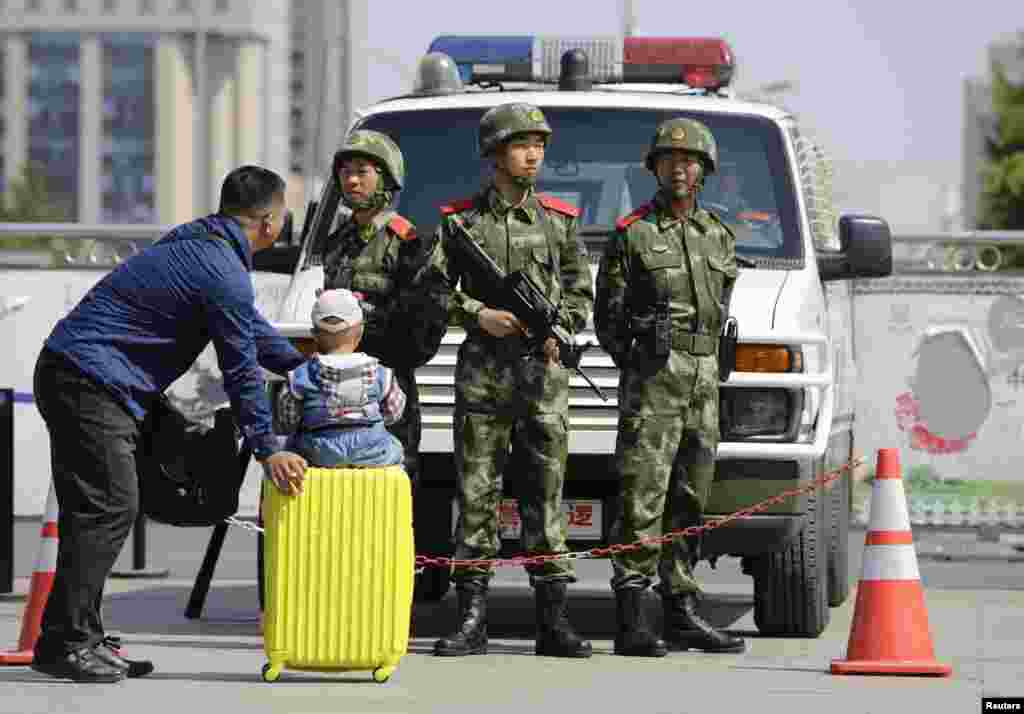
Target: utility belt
<point>696,344</point>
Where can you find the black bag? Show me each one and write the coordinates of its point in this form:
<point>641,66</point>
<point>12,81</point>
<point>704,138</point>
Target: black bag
<point>189,474</point>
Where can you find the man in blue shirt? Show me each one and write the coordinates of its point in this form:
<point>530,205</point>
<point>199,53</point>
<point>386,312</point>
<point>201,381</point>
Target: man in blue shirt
<point>136,332</point>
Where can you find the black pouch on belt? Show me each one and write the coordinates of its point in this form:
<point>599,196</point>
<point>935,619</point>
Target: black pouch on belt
<point>727,349</point>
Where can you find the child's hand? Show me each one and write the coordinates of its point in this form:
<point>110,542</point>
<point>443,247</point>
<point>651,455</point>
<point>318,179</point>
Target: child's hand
<point>287,471</point>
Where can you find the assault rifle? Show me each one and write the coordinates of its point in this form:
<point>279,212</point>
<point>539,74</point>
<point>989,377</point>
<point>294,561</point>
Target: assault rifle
<point>519,294</point>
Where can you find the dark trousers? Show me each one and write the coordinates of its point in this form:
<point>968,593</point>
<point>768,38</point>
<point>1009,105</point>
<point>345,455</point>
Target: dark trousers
<point>409,428</point>
<point>92,451</point>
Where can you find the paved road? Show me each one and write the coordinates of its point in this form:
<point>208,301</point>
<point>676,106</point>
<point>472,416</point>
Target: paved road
<point>976,609</point>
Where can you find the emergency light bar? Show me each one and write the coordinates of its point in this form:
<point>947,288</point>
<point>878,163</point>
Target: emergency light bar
<point>698,62</point>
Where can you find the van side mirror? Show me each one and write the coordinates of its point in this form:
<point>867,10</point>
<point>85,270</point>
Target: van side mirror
<point>865,250</point>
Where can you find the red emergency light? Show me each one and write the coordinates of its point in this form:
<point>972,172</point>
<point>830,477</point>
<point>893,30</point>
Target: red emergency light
<point>699,62</point>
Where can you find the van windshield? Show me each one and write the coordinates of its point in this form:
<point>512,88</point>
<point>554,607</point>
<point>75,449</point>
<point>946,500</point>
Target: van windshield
<point>595,161</point>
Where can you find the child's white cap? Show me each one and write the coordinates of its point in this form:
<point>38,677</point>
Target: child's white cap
<point>336,310</point>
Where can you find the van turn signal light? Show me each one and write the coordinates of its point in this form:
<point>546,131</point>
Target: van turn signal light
<point>766,358</point>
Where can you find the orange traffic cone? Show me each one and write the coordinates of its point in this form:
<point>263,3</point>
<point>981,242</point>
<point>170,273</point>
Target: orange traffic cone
<point>39,591</point>
<point>890,633</point>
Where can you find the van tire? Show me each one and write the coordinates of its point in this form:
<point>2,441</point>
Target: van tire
<point>839,584</point>
<point>791,585</point>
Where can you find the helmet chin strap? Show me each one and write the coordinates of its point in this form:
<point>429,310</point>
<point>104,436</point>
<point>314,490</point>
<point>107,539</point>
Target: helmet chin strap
<point>523,182</point>
<point>670,193</point>
<point>380,198</point>
<point>691,189</point>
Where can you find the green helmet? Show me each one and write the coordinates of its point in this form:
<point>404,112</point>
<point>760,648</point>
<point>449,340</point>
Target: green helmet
<point>686,134</point>
<point>380,149</point>
<point>506,120</point>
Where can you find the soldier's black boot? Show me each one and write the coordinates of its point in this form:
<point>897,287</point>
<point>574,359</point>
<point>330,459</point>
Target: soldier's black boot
<point>634,638</point>
<point>471,637</point>
<point>687,630</point>
<point>555,636</point>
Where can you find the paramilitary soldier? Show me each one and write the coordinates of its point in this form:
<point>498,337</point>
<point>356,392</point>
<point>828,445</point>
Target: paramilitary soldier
<point>663,290</point>
<point>512,402</point>
<point>377,254</point>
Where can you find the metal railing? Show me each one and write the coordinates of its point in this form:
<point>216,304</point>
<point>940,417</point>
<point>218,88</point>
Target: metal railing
<point>73,246</point>
<point>963,252</point>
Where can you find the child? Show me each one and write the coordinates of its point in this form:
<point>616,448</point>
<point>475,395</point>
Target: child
<point>338,403</point>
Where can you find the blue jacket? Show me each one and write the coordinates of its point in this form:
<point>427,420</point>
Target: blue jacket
<point>144,324</point>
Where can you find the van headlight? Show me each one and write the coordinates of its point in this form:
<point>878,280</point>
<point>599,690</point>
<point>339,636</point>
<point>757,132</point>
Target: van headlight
<point>762,414</point>
<point>772,414</point>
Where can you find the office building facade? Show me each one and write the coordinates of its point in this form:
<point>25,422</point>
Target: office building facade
<point>137,109</point>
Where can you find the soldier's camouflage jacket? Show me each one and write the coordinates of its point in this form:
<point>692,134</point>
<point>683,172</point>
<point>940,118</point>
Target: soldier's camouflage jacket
<point>388,265</point>
<point>689,265</point>
<point>538,237</point>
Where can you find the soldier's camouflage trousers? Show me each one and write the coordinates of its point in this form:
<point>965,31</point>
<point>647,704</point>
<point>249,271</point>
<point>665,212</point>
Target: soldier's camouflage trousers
<point>408,429</point>
<point>523,404</point>
<point>665,461</point>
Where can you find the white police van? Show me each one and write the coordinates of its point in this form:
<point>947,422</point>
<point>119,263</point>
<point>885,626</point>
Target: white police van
<point>787,411</point>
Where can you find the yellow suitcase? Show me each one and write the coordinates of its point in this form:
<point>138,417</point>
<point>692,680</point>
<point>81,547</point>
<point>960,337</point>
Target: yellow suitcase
<point>339,572</point>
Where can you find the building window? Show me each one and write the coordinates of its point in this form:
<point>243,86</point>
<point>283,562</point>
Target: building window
<point>129,129</point>
<point>54,125</point>
<point>146,7</point>
<point>109,6</point>
<point>71,6</point>
<point>222,7</point>
<point>33,5</point>
<point>184,6</point>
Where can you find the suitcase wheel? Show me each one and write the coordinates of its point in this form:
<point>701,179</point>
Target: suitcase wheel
<point>383,674</point>
<point>271,673</point>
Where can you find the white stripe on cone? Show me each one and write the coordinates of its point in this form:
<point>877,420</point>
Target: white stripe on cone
<point>889,506</point>
<point>52,510</point>
<point>890,562</point>
<point>46,559</point>
<point>46,556</point>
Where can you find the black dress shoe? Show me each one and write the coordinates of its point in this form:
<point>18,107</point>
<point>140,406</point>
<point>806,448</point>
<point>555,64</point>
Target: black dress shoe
<point>81,665</point>
<point>109,650</point>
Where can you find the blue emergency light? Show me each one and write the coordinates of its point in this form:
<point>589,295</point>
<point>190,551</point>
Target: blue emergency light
<point>698,62</point>
<point>482,57</point>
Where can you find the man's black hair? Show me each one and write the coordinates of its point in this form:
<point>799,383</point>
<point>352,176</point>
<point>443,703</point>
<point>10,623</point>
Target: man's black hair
<point>250,189</point>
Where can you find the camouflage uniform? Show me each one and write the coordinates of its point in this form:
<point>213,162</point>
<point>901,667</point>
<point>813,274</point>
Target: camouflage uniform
<point>388,266</point>
<point>504,398</point>
<point>507,394</point>
<point>668,407</point>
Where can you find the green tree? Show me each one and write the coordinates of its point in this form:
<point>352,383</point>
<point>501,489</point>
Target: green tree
<point>28,200</point>
<point>1003,192</point>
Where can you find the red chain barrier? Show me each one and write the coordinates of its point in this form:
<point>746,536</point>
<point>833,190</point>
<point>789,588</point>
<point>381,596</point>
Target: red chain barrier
<point>820,482</point>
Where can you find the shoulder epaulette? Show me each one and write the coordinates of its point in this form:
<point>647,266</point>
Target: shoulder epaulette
<point>557,204</point>
<point>626,221</point>
<point>402,228</point>
<point>457,206</point>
